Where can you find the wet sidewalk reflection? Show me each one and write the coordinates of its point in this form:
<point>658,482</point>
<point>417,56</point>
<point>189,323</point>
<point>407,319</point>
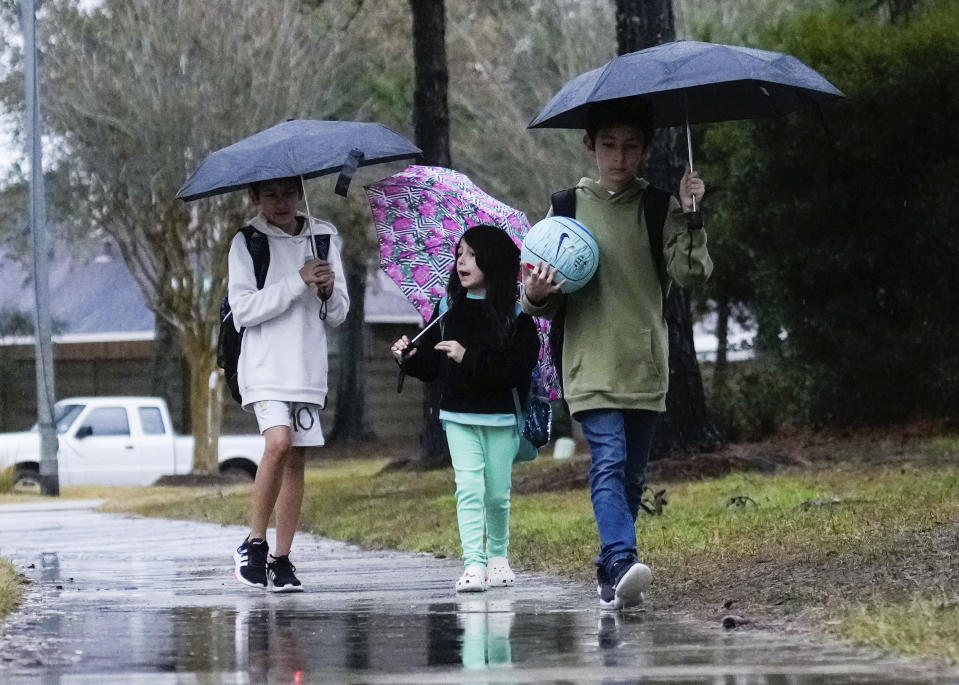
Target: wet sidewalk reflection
<point>131,600</point>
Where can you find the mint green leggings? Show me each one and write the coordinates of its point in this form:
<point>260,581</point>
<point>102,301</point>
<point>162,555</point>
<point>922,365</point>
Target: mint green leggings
<point>483,463</point>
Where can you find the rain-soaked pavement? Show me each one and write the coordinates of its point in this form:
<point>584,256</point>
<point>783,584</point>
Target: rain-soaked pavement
<point>119,599</point>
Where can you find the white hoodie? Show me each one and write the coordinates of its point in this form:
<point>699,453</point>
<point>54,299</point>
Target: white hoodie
<point>284,350</point>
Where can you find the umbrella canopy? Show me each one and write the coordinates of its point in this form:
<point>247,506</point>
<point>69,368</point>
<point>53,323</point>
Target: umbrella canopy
<point>299,147</point>
<point>692,82</point>
<point>420,215</point>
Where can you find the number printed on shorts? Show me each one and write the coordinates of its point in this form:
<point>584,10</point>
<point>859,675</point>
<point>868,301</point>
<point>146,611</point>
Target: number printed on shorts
<point>302,418</point>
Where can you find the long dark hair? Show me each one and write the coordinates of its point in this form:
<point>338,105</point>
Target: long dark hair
<point>498,258</point>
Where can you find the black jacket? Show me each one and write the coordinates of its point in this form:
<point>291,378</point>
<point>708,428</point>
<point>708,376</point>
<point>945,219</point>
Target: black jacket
<point>483,382</point>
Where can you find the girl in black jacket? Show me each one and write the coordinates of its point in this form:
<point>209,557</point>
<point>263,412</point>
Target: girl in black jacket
<point>483,351</point>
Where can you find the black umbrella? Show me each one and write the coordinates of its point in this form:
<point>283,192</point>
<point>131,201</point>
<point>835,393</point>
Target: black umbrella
<point>305,148</point>
<point>692,82</point>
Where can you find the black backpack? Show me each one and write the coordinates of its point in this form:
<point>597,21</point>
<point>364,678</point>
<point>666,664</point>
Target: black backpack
<point>229,341</point>
<point>654,207</point>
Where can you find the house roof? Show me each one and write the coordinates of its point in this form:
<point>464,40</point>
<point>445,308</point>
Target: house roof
<point>96,298</point>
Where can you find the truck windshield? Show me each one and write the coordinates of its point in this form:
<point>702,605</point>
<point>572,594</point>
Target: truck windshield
<point>64,415</point>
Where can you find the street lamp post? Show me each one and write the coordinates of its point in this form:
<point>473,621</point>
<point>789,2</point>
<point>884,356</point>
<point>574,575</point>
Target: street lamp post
<point>43,346</point>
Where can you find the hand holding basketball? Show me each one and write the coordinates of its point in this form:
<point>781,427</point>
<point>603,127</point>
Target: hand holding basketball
<point>539,282</point>
<point>566,247</point>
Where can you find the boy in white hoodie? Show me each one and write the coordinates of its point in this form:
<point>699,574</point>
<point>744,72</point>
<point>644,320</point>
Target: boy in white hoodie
<point>282,369</point>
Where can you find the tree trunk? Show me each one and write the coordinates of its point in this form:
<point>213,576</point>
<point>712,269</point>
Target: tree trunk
<point>686,426</point>
<point>206,406</point>
<point>167,374</point>
<point>352,423</point>
<point>431,114</point>
<point>643,23</point>
<point>431,124</point>
<point>722,336</point>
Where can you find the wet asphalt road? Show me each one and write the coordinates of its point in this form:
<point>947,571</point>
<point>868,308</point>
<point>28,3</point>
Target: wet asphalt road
<point>118,599</point>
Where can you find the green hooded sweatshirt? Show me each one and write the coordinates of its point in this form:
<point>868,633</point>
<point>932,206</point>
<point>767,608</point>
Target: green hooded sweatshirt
<point>615,349</point>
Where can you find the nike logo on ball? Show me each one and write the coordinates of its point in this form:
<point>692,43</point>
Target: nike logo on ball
<point>562,237</point>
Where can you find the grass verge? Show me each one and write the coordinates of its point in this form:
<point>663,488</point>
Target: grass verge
<point>860,540</point>
<point>11,587</point>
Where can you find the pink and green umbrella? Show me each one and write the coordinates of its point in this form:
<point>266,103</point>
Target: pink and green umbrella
<point>420,214</point>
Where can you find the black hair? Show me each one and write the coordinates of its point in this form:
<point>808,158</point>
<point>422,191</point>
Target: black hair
<point>627,111</point>
<point>254,188</point>
<point>498,258</point>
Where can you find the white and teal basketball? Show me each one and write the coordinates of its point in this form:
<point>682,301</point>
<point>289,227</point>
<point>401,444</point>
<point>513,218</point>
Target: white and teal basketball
<point>566,244</point>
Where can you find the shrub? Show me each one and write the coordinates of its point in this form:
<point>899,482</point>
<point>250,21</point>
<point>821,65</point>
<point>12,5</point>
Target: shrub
<point>850,241</point>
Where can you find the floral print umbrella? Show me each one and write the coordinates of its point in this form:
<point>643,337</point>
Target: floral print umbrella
<point>420,214</point>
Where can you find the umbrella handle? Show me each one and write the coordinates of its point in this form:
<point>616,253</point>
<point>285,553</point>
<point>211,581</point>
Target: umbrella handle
<point>353,160</point>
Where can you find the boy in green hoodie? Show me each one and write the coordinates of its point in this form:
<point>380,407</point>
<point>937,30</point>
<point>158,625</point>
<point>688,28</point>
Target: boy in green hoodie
<point>615,351</point>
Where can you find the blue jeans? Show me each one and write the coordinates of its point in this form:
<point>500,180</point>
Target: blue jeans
<point>619,444</point>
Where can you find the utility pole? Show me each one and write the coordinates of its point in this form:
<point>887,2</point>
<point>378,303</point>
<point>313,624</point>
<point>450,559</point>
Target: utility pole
<point>43,346</point>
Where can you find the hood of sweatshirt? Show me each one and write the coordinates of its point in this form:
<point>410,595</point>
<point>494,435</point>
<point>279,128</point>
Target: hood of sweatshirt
<point>319,226</point>
<point>626,195</point>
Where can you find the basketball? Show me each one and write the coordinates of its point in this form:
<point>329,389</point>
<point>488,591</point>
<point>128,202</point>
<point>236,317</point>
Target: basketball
<point>566,244</point>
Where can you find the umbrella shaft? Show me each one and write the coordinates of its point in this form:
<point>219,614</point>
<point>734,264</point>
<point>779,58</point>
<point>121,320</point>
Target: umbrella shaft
<point>689,150</point>
<point>429,326</point>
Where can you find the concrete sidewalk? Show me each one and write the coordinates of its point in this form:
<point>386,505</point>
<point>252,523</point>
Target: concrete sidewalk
<point>134,600</point>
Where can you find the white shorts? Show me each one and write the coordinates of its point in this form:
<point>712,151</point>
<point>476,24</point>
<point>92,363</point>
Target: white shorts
<point>302,419</point>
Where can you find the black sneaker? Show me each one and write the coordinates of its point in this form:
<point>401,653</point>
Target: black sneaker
<point>281,575</point>
<point>630,580</point>
<point>249,561</point>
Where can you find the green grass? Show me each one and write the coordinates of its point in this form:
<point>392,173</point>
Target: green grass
<point>11,588</point>
<point>925,627</point>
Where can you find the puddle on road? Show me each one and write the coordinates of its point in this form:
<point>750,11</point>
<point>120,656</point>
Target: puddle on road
<point>119,600</point>
<point>479,639</point>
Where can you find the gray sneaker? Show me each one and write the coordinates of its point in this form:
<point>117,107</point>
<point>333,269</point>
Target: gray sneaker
<point>630,580</point>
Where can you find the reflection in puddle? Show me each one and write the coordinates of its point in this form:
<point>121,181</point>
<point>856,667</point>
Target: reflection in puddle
<point>279,643</point>
<point>479,639</point>
<point>485,638</point>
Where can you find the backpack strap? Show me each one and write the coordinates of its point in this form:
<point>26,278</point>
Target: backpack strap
<point>655,206</point>
<point>563,202</point>
<point>259,246</point>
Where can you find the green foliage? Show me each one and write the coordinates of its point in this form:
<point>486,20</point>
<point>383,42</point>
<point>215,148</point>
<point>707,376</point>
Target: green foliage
<point>750,399</point>
<point>848,239</point>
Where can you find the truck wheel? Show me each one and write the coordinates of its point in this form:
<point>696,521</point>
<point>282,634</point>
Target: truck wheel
<point>27,480</point>
<point>236,473</point>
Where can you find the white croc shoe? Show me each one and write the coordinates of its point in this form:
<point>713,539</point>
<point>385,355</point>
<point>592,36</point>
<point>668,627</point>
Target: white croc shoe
<point>472,580</point>
<point>498,572</point>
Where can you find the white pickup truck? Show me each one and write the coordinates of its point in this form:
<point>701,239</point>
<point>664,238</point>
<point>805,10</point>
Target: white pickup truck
<point>120,441</point>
